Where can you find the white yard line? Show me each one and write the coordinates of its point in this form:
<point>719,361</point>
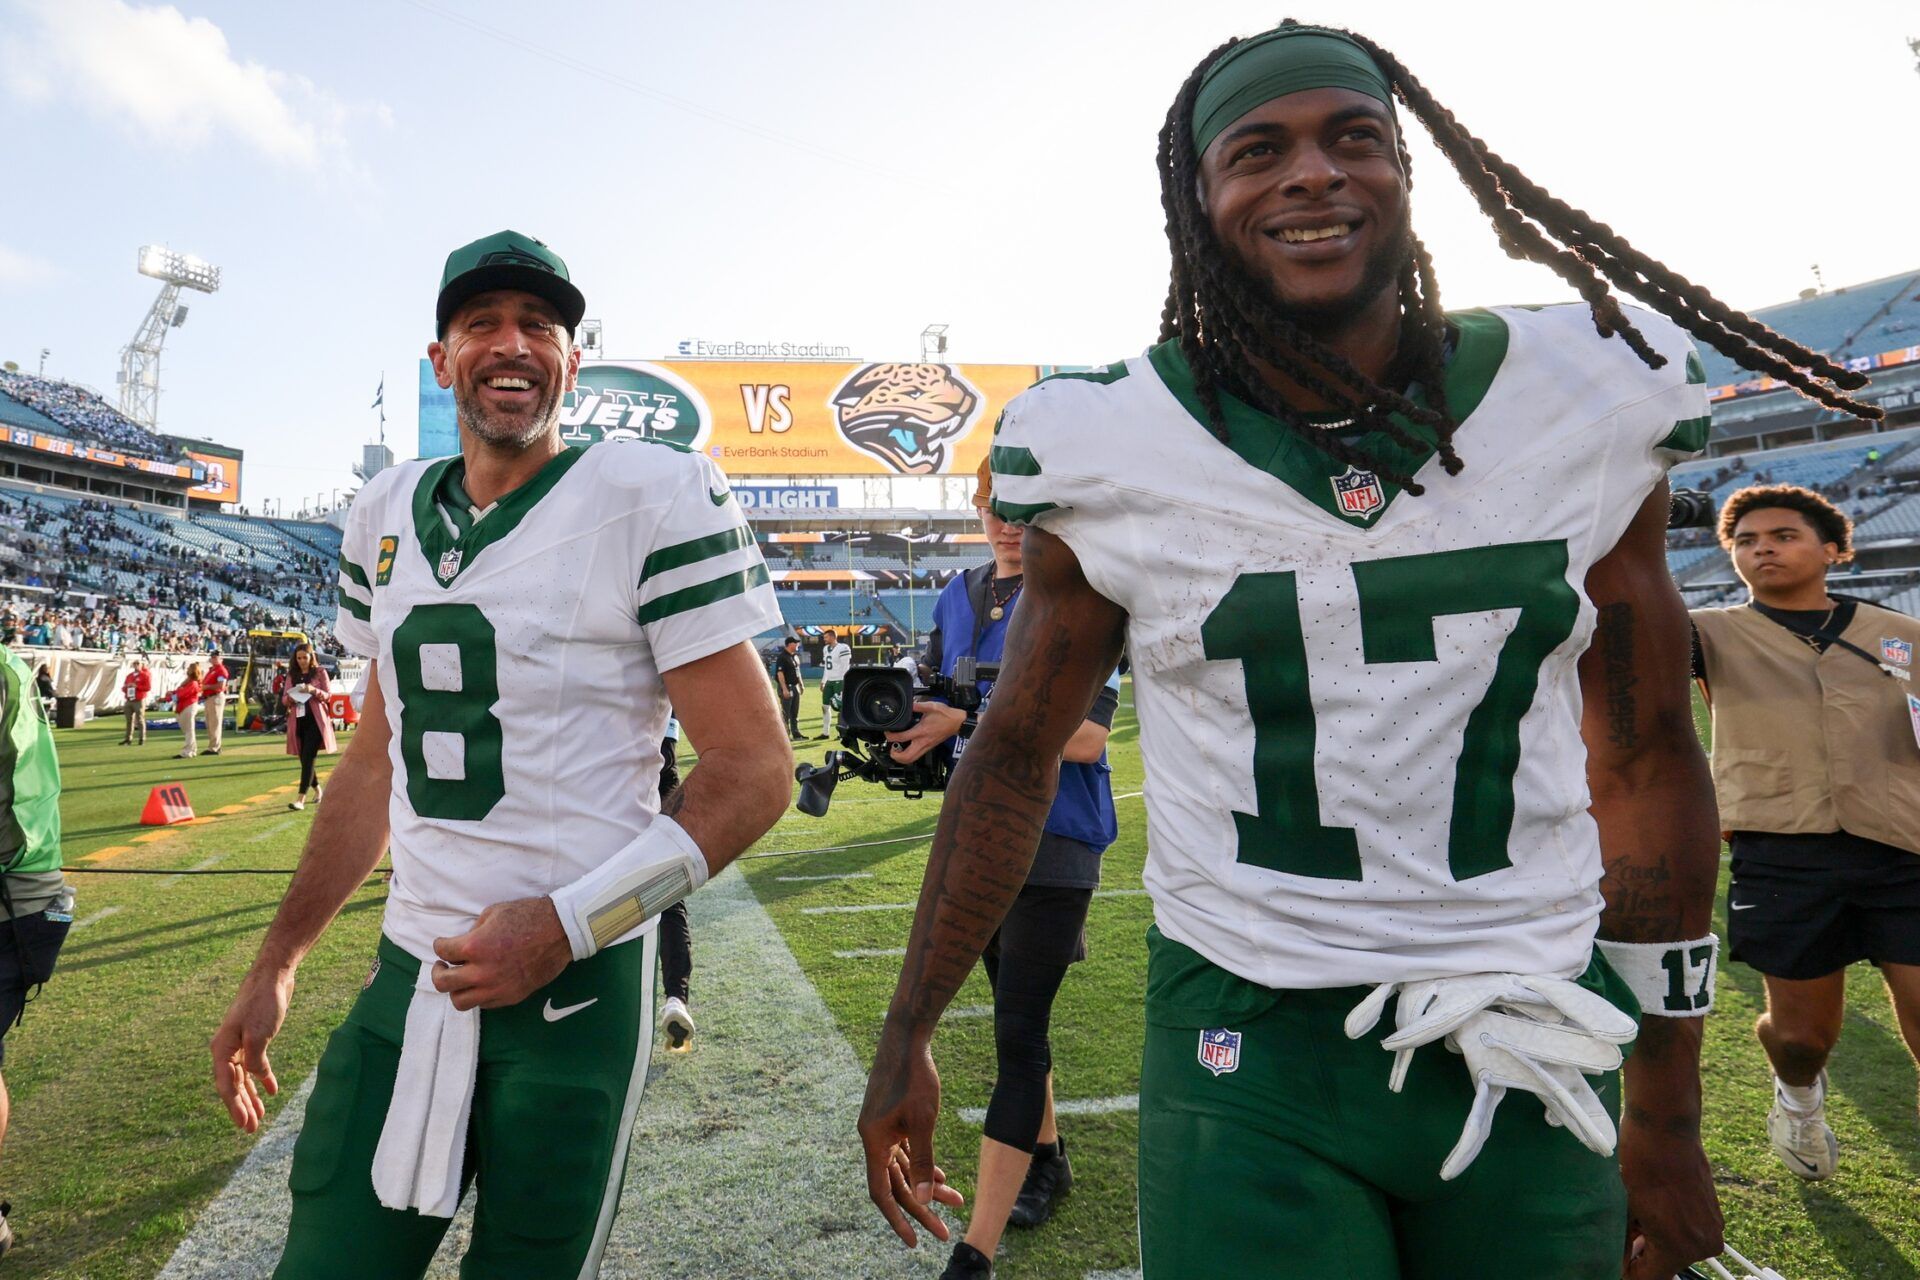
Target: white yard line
<point>968,1011</point>
<point>1134,1274</point>
<point>856,910</point>
<point>838,875</point>
<point>1129,795</point>
<point>1070,1107</point>
<point>97,916</point>
<point>1119,893</point>
<point>869,953</point>
<point>744,1158</point>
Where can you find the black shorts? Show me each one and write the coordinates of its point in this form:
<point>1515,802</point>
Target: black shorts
<point>1790,917</point>
<point>40,939</point>
<point>1045,924</point>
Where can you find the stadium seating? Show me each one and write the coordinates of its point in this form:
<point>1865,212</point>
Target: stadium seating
<point>80,414</point>
<point>1861,319</point>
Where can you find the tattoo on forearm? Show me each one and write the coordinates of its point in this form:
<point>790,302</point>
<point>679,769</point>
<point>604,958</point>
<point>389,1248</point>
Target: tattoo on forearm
<point>995,810</point>
<point>1615,629</point>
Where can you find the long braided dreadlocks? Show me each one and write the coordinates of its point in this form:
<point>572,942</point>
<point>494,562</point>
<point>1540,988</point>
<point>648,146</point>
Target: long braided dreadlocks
<point>1224,320</point>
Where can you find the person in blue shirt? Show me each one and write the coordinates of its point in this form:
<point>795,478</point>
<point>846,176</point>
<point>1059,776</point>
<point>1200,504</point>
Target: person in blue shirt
<point>1023,1158</point>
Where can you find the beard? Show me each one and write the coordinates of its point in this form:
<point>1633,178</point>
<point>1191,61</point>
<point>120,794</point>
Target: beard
<point>506,430</point>
<point>1381,272</point>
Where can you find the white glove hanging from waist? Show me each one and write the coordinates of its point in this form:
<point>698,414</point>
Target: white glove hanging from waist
<point>1543,1035</point>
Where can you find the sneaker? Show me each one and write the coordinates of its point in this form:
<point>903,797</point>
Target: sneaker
<point>317,790</point>
<point>819,737</point>
<point>677,1021</point>
<point>214,751</point>
<point>1802,1139</point>
<point>1048,1179</point>
<point>183,755</point>
<point>967,1263</point>
<point>301,803</point>
<point>6,1228</point>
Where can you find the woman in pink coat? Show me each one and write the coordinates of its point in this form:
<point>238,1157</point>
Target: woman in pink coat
<point>309,720</point>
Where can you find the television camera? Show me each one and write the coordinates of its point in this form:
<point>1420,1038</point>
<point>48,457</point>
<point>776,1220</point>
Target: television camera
<point>876,701</point>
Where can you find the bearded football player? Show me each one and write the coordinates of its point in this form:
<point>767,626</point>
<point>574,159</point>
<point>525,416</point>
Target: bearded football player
<point>1431,843</point>
<point>529,612</point>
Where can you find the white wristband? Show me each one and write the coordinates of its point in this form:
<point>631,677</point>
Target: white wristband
<point>655,870</point>
<point>1670,979</point>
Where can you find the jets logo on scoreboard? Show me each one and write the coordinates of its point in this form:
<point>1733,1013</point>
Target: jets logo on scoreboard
<point>1358,492</point>
<point>1220,1050</point>
<point>634,402</point>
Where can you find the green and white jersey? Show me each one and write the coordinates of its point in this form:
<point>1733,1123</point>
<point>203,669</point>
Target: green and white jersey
<point>520,651</point>
<point>836,660</point>
<point>1360,710</point>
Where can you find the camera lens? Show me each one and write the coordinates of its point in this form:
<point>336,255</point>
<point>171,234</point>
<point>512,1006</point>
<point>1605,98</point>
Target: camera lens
<point>880,704</point>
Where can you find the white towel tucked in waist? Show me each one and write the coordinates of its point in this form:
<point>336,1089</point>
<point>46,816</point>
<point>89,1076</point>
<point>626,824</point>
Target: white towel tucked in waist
<point>423,1143</point>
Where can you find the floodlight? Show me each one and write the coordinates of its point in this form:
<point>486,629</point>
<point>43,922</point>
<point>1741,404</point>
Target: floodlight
<point>179,316</point>
<point>182,269</point>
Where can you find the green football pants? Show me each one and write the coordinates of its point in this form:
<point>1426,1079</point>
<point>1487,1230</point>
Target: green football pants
<point>559,1080</point>
<point>1288,1159</point>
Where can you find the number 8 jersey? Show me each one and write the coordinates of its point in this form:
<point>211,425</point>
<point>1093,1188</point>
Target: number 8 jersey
<point>1360,709</point>
<point>520,649</point>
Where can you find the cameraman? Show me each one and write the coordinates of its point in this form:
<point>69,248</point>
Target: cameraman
<point>1817,771</point>
<point>1023,1158</point>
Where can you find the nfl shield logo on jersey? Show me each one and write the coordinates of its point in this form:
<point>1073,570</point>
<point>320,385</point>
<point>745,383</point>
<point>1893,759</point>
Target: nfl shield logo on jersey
<point>1898,652</point>
<point>449,565</point>
<point>1358,492</point>
<point>1220,1050</point>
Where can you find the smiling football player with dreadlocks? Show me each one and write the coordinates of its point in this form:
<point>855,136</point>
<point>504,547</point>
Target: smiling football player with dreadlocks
<point>1412,684</point>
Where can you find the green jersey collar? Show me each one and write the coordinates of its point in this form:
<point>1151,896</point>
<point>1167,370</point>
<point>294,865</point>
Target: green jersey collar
<point>444,523</point>
<point>1354,497</point>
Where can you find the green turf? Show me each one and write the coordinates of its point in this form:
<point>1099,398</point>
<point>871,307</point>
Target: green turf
<point>1858,1225</point>
<point>117,1140</point>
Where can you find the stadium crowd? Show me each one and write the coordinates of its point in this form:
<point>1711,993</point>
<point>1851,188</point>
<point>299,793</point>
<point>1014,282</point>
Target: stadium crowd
<point>84,581</point>
<point>91,419</point>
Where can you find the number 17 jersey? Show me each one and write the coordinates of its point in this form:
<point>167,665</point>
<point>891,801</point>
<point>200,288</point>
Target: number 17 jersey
<point>1359,708</point>
<point>520,653</point>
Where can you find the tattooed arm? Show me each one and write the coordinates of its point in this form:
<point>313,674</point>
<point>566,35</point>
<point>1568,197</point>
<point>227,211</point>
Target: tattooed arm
<point>1659,836</point>
<point>1062,644</point>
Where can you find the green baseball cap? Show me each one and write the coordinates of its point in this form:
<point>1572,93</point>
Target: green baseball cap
<point>507,260</point>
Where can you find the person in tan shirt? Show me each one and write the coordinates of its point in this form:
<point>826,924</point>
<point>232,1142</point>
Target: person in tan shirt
<point>1817,774</point>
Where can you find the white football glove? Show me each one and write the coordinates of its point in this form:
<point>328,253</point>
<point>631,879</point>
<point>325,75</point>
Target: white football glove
<point>1753,1270</point>
<point>1543,1035</point>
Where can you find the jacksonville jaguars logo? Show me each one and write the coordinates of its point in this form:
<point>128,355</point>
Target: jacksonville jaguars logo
<point>906,415</point>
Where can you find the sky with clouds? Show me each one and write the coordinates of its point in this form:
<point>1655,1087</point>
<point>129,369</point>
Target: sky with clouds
<point>842,172</point>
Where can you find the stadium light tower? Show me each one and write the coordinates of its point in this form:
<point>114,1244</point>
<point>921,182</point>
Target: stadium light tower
<point>140,359</point>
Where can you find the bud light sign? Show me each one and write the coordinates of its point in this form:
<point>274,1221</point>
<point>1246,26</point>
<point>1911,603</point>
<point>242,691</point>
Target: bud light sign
<point>766,497</point>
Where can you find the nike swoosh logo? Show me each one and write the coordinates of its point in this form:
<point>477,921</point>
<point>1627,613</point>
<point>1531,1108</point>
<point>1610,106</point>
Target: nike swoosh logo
<point>720,498</point>
<point>1808,1165</point>
<point>552,1014</point>
<point>1742,906</point>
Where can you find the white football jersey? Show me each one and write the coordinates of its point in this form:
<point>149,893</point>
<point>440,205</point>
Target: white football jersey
<point>1360,709</point>
<point>520,651</point>
<point>836,661</point>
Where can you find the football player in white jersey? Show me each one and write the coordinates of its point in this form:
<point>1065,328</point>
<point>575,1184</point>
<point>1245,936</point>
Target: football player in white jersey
<point>530,611</point>
<point>1414,719</point>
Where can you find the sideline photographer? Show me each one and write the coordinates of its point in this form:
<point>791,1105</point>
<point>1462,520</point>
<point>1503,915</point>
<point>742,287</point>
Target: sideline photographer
<point>1816,767</point>
<point>1023,1159</point>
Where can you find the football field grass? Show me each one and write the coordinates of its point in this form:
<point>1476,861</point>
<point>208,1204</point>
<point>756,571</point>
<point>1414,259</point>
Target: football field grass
<point>117,1141</point>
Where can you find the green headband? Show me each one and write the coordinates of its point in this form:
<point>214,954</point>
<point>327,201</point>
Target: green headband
<point>1276,63</point>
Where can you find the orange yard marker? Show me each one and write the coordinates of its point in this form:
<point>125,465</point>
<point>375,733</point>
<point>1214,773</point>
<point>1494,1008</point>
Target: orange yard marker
<point>166,805</point>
